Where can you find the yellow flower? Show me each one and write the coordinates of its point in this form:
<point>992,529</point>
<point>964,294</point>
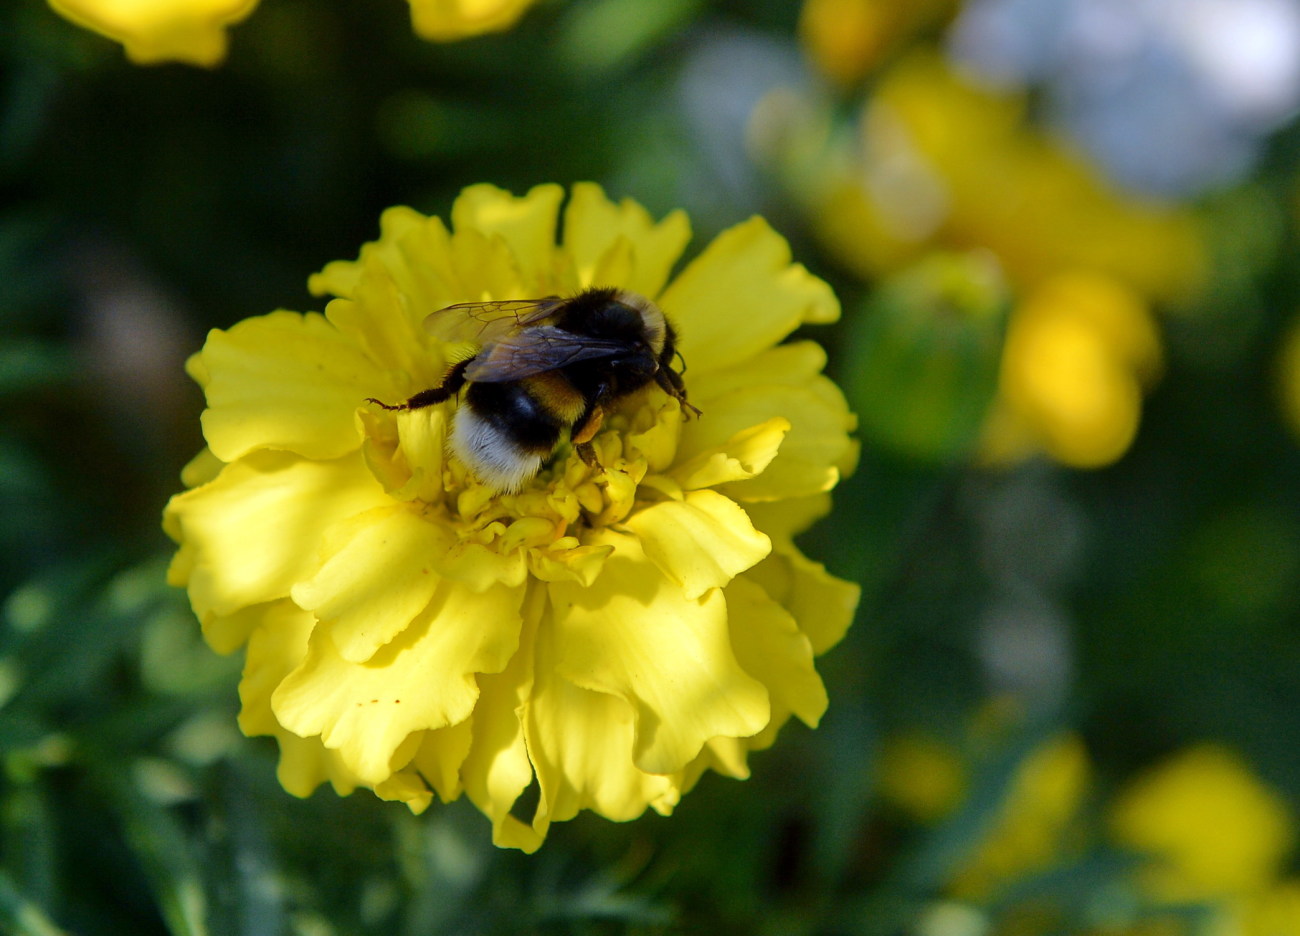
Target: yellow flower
<point>444,20</point>
<point>154,31</point>
<point>940,163</point>
<point>194,31</point>
<point>921,775</point>
<point>1213,830</point>
<point>1080,348</point>
<point>1033,826</point>
<point>607,633</point>
<point>845,39</point>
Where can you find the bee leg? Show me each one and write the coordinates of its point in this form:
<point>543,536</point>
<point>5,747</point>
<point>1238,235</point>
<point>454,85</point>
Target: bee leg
<point>587,452</point>
<point>450,385</point>
<point>585,429</point>
<point>671,383</point>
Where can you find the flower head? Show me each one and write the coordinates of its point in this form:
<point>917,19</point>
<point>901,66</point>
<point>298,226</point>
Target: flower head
<point>1211,827</point>
<point>609,631</point>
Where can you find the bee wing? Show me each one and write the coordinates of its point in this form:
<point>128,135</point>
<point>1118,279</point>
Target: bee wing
<point>486,322</point>
<point>539,348</point>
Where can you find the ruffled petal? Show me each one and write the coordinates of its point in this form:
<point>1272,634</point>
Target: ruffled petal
<point>525,224</point>
<point>581,744</point>
<point>305,764</point>
<point>772,649</point>
<point>822,605</point>
<point>406,786</point>
<point>497,770</point>
<point>378,576</point>
<point>422,679</point>
<point>596,230</point>
<point>742,295</point>
<point>440,756</point>
<point>700,542</point>
<point>813,455</point>
<point>256,530</point>
<point>634,635</point>
<point>226,633</point>
<point>743,456</point>
<point>277,646</point>
<point>286,381</point>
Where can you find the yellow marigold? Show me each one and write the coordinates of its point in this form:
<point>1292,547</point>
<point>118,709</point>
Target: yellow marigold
<point>606,633</point>
<point>194,31</point>
<point>1212,828</point>
<point>1080,348</point>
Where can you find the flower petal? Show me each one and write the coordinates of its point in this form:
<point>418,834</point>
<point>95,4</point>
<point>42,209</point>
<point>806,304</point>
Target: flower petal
<point>191,31</point>
<point>633,634</point>
<point>406,786</point>
<point>286,381</point>
<point>497,770</point>
<point>277,646</point>
<point>201,469</point>
<point>822,605</point>
<point>700,542</point>
<point>378,575</point>
<point>423,678</point>
<point>440,756</point>
<point>812,456</point>
<point>526,224</point>
<point>772,649</point>
<point>581,743</point>
<point>741,295</point>
<point>256,529</point>
<point>594,227</point>
<point>743,456</point>
<point>305,764</point>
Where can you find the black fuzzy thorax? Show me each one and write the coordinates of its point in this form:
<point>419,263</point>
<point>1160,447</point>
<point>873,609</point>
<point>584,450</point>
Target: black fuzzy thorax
<point>598,313</point>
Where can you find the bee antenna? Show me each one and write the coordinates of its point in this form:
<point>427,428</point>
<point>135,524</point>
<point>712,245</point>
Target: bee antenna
<point>681,360</point>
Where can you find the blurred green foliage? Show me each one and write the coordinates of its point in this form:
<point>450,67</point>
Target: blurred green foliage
<point>143,206</point>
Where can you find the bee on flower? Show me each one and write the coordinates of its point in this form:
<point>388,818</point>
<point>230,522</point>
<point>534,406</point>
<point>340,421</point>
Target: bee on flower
<point>473,538</point>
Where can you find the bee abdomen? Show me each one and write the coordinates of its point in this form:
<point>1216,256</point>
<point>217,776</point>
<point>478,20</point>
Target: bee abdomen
<point>504,434</point>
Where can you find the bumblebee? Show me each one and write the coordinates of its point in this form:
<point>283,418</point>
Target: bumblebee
<point>545,367</point>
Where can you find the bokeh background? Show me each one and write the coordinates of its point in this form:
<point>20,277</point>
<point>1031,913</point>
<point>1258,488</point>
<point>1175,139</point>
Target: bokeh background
<point>1065,237</point>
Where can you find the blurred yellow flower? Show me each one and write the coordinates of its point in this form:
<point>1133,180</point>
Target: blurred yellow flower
<point>940,163</point>
<point>601,637</point>
<point>846,39</point>
<point>1079,351</point>
<point>155,31</point>
<point>1211,828</point>
<point>443,20</point>
<point>921,775</point>
<point>1033,827</point>
<point>194,31</point>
